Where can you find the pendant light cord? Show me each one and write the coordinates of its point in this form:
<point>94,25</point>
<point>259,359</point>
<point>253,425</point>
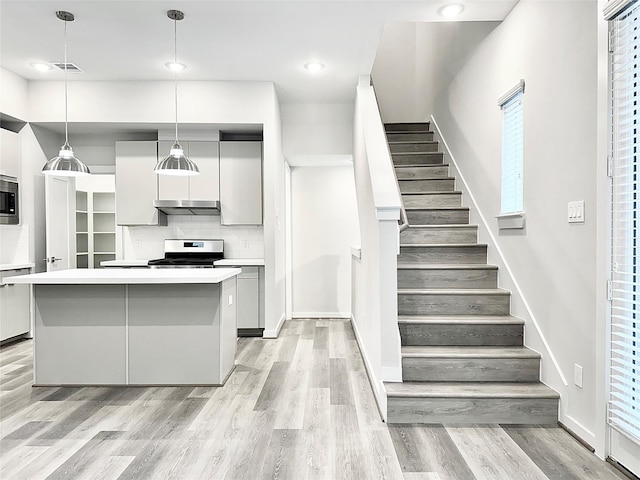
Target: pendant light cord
<point>66,101</point>
<point>175,72</point>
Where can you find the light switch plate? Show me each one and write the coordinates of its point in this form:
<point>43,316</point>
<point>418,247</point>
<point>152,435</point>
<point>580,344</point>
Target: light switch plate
<point>230,300</point>
<point>575,212</point>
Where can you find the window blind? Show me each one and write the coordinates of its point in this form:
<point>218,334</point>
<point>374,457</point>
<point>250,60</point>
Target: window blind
<point>511,199</point>
<point>624,367</point>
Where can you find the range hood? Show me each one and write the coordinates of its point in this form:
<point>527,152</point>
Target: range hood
<point>188,207</point>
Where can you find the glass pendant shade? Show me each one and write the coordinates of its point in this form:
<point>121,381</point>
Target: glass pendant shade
<point>65,164</point>
<point>176,163</point>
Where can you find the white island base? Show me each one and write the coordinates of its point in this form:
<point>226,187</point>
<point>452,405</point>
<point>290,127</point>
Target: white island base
<point>119,328</point>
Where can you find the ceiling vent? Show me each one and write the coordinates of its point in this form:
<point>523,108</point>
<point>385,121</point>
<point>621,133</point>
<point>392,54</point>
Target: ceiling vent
<point>71,67</point>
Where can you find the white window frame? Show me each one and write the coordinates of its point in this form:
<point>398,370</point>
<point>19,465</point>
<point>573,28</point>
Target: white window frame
<point>623,413</point>
<point>512,172</point>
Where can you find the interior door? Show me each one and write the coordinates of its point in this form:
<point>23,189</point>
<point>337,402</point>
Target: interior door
<point>58,208</point>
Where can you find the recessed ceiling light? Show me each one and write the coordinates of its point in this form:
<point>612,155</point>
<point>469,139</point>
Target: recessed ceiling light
<point>176,66</point>
<point>42,67</point>
<point>314,67</point>
<point>451,10</point>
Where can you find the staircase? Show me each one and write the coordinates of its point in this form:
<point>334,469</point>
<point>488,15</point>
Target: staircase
<point>463,358</point>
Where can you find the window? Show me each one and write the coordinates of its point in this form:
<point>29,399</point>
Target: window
<point>512,151</point>
<point>624,341</point>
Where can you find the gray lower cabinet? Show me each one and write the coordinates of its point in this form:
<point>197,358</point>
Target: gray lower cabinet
<point>15,317</point>
<point>136,184</point>
<point>241,183</point>
<point>251,301</point>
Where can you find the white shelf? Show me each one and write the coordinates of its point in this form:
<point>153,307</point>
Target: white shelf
<point>96,228</point>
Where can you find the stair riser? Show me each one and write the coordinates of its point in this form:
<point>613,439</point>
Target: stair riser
<point>410,137</point>
<point>435,158</point>
<point>432,200</point>
<point>417,147</point>
<point>461,335</point>
<point>438,217</point>
<point>407,127</point>
<point>450,278</point>
<point>448,304</point>
<point>433,185</point>
<point>470,370</point>
<point>435,171</point>
<point>467,411</point>
<point>440,235</point>
<point>475,254</point>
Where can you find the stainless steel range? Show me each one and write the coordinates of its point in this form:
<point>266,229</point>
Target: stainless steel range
<point>189,254</point>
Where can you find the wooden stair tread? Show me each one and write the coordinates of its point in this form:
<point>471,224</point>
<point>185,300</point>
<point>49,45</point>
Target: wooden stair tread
<point>456,291</point>
<point>404,142</point>
<point>447,245</point>
<point>422,165</point>
<point>415,179</point>
<point>444,225</point>
<point>468,352</point>
<point>453,209</point>
<point>446,266</point>
<point>459,320</point>
<point>469,390</point>
<point>451,192</point>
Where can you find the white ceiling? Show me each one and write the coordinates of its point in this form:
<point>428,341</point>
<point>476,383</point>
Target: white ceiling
<point>268,40</point>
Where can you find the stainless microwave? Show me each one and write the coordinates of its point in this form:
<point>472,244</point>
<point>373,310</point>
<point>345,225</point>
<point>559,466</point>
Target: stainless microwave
<point>9,199</point>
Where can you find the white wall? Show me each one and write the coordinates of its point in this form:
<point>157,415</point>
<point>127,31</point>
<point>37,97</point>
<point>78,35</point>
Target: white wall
<point>324,226</point>
<point>316,130</point>
<point>553,262</point>
<point>14,97</point>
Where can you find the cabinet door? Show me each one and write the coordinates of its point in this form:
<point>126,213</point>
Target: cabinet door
<point>247,298</point>
<point>15,307</point>
<point>136,184</point>
<point>241,183</point>
<point>10,153</point>
<point>172,187</point>
<point>205,186</point>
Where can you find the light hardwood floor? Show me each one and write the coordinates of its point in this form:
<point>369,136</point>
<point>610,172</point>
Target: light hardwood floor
<point>297,407</point>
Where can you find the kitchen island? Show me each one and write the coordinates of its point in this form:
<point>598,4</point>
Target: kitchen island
<point>133,326</point>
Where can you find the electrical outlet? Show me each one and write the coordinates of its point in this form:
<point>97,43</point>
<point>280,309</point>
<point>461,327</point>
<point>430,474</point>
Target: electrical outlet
<point>577,375</point>
<point>575,212</point>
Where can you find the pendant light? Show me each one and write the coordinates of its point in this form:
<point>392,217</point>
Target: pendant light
<point>176,163</point>
<point>65,164</point>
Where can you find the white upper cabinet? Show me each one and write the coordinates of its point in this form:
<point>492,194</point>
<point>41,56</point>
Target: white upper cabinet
<point>198,187</point>
<point>205,186</point>
<point>10,153</point>
<point>241,183</point>
<point>136,184</point>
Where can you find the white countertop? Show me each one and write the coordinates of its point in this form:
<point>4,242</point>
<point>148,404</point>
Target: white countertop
<point>15,266</point>
<point>124,263</point>
<point>110,276</point>
<point>240,262</point>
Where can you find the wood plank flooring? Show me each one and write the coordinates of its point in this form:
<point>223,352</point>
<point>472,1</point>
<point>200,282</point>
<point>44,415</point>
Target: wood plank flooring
<point>296,407</point>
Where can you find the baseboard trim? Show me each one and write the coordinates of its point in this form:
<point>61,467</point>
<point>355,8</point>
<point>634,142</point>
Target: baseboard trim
<point>578,431</point>
<point>320,315</point>
<point>494,242</point>
<point>379,395</point>
<point>276,331</point>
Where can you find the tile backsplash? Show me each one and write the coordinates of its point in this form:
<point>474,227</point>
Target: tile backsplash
<point>14,244</point>
<point>140,243</point>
